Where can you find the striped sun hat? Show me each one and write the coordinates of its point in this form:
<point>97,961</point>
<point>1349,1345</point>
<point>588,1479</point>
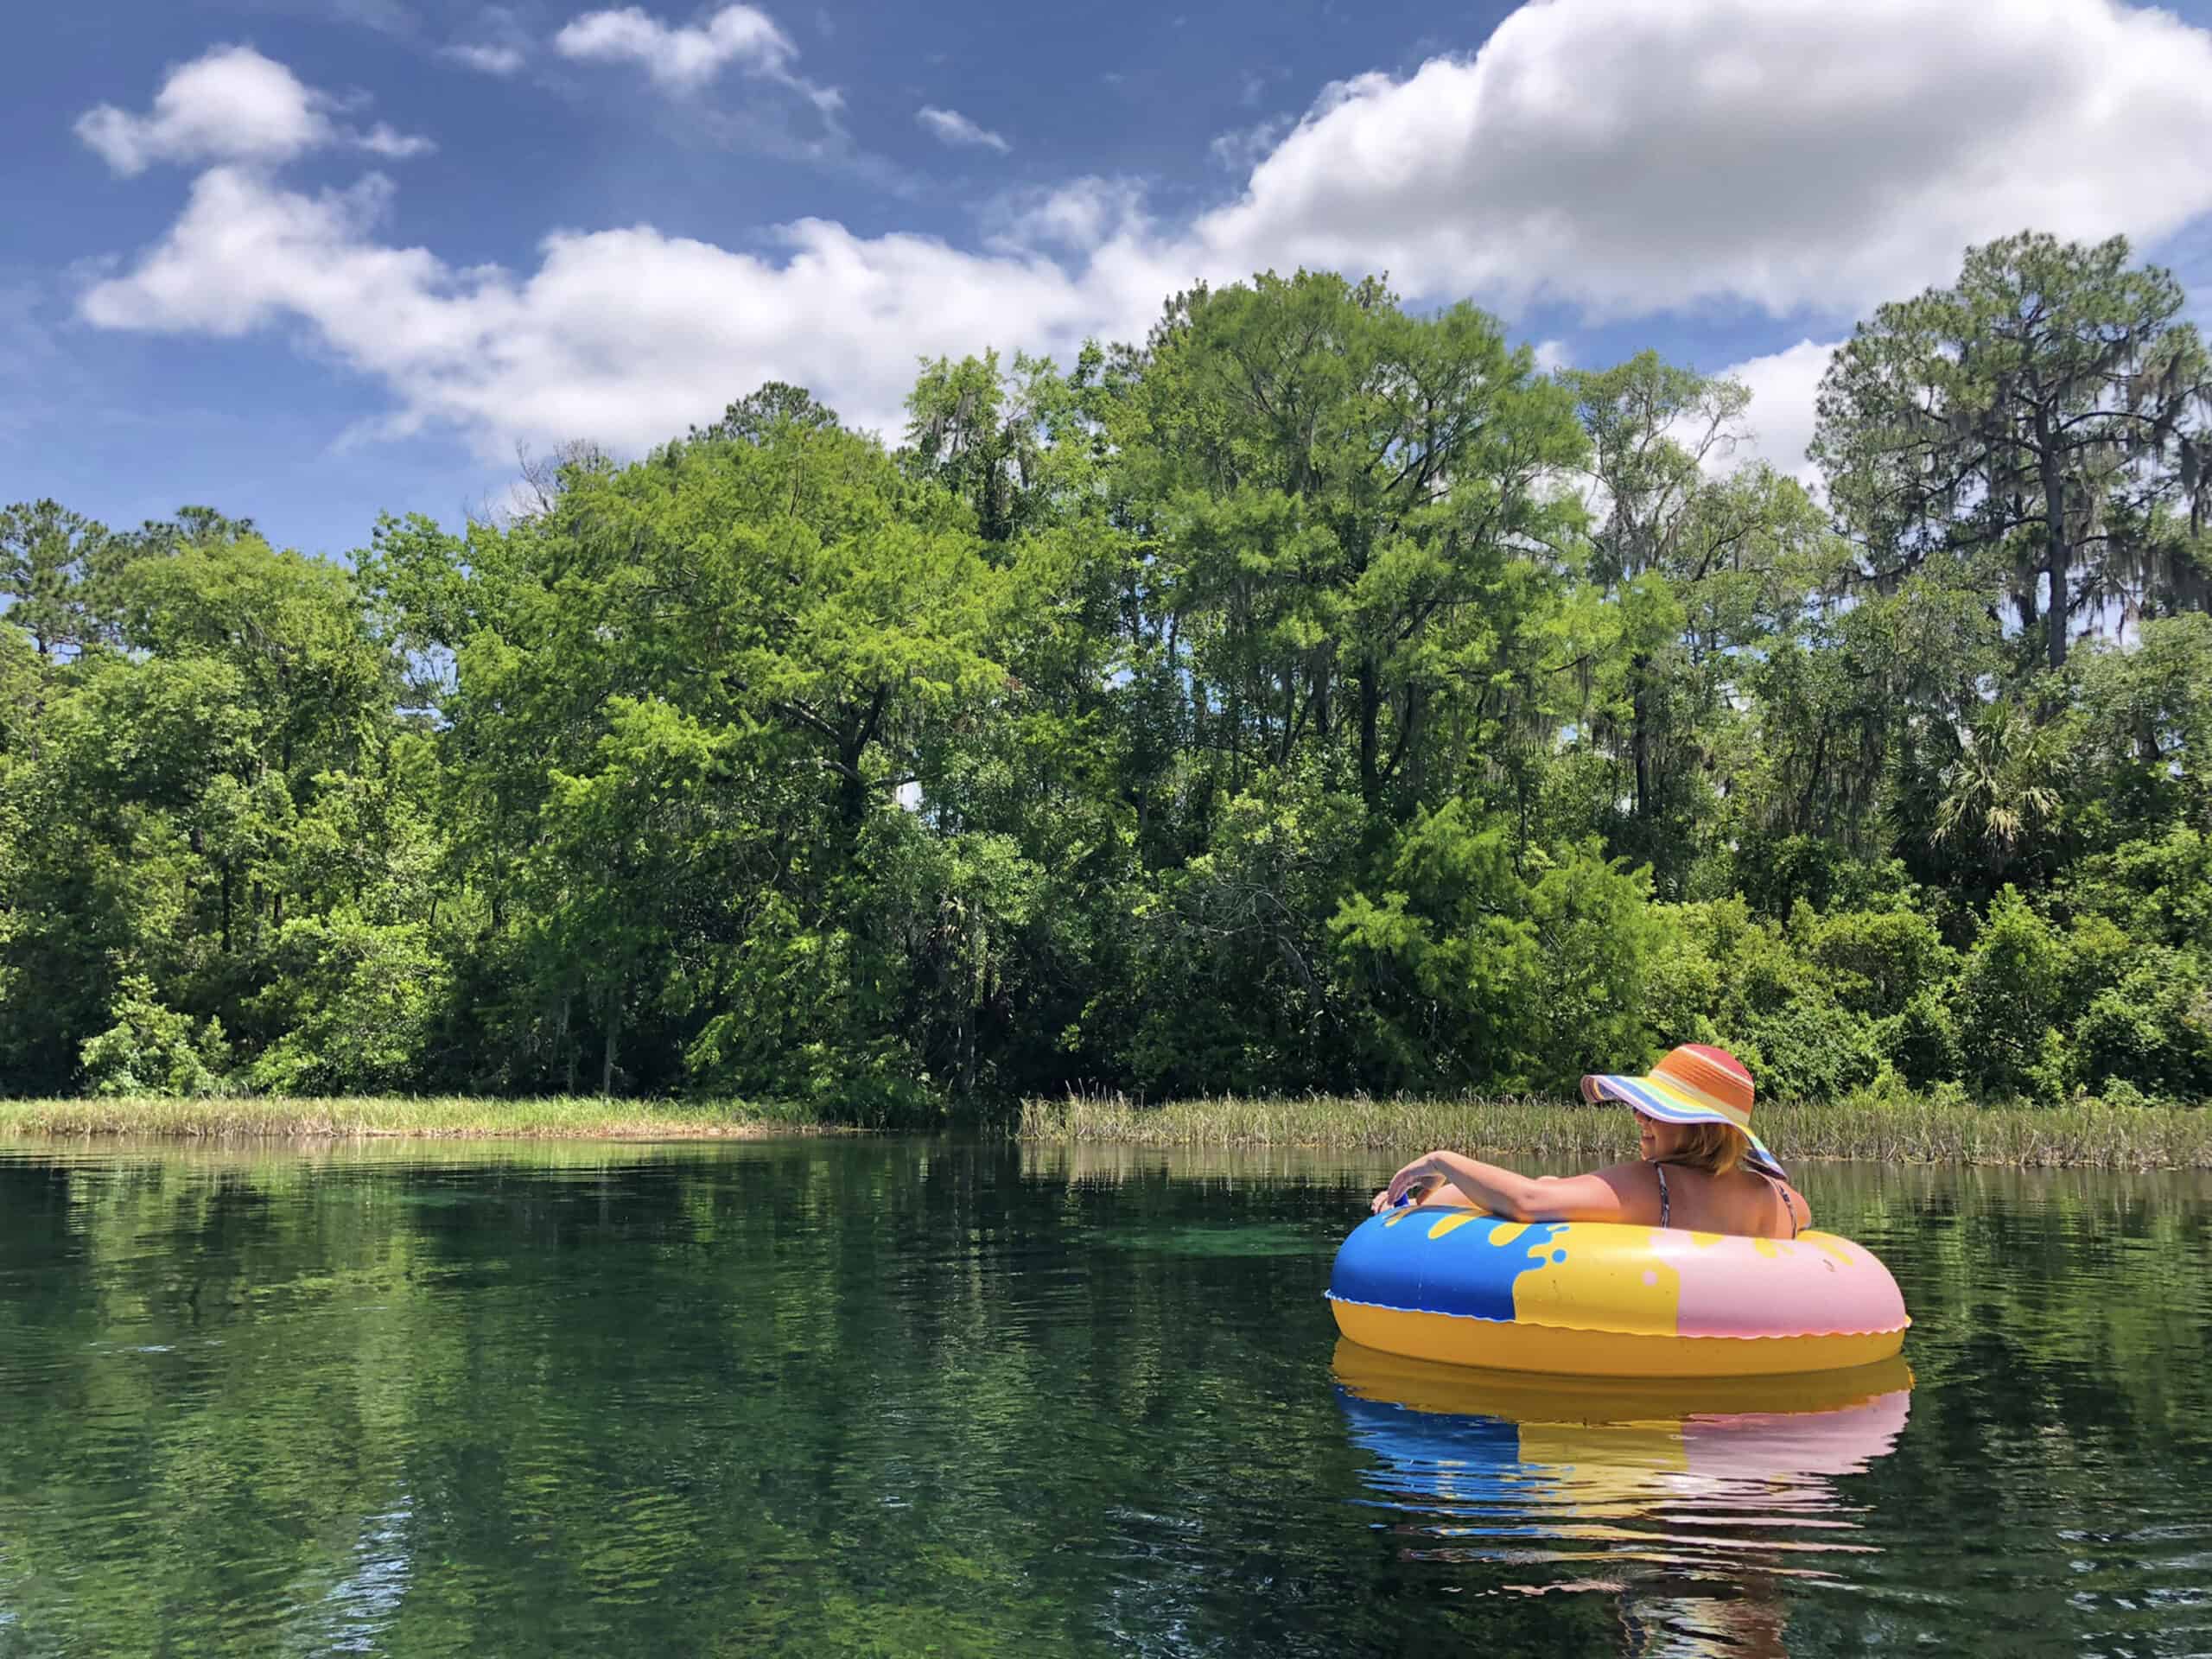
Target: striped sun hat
<point>1693,1085</point>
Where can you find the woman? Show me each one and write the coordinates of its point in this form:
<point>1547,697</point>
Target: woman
<point>1701,1169</point>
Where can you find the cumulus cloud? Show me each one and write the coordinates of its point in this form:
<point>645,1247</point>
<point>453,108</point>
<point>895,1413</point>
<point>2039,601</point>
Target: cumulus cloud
<point>1785,387</point>
<point>1076,217</point>
<point>624,335</point>
<point>491,59</point>
<point>1793,153</point>
<point>951,127</point>
<point>1607,154</point>
<point>230,104</point>
<point>680,58</point>
<point>1241,149</point>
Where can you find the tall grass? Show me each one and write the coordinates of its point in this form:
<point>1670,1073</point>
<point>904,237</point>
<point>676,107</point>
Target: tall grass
<point>1885,1128</point>
<point>438,1116</point>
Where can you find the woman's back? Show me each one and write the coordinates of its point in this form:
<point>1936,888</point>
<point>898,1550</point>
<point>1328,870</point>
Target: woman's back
<point>1739,1201</point>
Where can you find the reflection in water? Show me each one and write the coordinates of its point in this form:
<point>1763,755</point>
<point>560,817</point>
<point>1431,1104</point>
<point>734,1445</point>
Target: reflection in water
<point>899,1398</point>
<point>1687,1500</point>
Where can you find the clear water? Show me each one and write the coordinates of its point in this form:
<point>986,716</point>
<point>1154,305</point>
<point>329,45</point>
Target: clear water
<point>894,1398</point>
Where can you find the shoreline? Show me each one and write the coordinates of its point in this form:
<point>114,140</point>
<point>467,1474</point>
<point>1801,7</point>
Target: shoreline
<point>1860,1128</point>
<point>456,1117</point>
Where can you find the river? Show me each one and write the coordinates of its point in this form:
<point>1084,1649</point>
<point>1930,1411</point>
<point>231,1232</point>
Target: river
<point>903,1397</point>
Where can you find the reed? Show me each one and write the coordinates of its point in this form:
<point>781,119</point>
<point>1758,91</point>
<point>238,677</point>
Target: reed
<point>1884,1126</point>
<point>430,1117</point>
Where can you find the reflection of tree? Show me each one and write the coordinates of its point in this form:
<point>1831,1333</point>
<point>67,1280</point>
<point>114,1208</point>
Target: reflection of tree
<point>866,1396</point>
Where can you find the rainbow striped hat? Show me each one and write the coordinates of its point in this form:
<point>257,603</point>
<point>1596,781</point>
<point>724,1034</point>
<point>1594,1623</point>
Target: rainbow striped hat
<point>1693,1085</point>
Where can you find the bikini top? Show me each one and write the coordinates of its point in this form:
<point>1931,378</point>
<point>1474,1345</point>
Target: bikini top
<point>1666,1204</point>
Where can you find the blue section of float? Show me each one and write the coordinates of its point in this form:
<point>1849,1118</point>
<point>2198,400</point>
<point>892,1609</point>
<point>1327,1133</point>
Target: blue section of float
<point>1411,1259</point>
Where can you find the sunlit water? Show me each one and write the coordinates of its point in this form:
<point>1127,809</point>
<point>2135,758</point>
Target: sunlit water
<point>892,1398</point>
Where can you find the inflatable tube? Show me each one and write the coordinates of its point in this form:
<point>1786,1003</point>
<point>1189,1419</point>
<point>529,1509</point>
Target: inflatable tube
<point>1596,1298</point>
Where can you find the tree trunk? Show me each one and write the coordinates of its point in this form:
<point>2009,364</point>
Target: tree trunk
<point>1640,737</point>
<point>1371,720</point>
<point>852,748</point>
<point>2058,554</point>
<point>614,1023</point>
<point>852,791</point>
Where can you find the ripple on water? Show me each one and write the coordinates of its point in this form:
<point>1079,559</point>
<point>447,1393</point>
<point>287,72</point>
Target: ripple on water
<point>882,1398</point>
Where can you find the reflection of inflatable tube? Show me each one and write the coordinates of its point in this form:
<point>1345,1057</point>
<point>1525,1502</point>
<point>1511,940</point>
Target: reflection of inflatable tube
<point>1593,1298</point>
<point>1684,1474</point>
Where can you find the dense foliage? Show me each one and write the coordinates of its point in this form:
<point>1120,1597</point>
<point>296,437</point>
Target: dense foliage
<point>1317,697</point>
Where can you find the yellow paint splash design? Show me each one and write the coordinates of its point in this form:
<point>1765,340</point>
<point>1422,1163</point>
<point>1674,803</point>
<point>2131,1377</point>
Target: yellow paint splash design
<point>1607,1278</point>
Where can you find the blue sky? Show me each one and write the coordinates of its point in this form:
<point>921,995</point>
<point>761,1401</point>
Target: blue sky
<point>307,261</point>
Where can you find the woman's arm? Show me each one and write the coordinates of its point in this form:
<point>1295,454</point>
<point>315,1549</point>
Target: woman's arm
<point>1615,1194</point>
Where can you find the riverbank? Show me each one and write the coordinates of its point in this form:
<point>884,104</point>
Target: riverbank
<point>1886,1128</point>
<point>441,1117</point>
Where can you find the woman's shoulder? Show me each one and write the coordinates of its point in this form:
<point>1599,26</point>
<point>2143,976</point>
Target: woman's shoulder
<point>1634,1175</point>
<point>1636,1186</point>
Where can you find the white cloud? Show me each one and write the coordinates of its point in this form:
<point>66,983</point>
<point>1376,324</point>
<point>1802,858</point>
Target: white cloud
<point>1784,386</point>
<point>1551,354</point>
<point>491,59</point>
<point>230,104</point>
<point>680,58</point>
<point>1241,149</point>
<point>382,140</point>
<point>951,127</point>
<point>624,336</point>
<point>1633,157</point>
<point>1076,217</point>
<point>1630,158</point>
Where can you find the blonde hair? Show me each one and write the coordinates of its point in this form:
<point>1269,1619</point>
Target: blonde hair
<point>1716,1148</point>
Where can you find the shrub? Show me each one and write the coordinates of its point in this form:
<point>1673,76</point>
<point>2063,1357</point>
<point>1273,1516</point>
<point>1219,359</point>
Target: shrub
<point>2012,998</point>
<point>152,1049</point>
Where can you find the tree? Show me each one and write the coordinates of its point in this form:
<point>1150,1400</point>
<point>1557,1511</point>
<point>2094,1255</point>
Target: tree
<point>2004,787</point>
<point>1701,568</point>
<point>50,561</point>
<point>2029,422</point>
<point>1349,504</point>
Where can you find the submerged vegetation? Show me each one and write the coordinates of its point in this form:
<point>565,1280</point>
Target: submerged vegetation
<point>1317,695</point>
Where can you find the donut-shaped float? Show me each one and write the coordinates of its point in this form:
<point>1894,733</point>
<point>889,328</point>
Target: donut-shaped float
<point>1597,1298</point>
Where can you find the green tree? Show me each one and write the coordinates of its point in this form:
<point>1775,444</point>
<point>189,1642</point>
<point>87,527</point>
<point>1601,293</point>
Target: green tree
<point>2027,423</point>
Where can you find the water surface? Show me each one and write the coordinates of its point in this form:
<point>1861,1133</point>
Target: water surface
<point>899,1398</point>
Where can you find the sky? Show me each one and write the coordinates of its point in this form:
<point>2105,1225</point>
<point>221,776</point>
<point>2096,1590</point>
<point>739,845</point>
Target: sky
<point>310,260</point>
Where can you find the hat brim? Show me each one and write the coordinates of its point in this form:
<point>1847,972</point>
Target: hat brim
<point>1640,1094</point>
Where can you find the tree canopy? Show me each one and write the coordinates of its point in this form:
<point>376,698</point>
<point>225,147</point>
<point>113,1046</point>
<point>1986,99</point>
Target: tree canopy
<point>1316,695</point>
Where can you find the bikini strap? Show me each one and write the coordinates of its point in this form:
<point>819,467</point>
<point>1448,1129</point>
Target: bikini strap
<point>1660,1170</point>
<point>1782,1191</point>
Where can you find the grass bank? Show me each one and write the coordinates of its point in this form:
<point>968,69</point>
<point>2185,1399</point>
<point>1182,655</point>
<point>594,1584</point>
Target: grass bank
<point>427,1117</point>
<point>1886,1127</point>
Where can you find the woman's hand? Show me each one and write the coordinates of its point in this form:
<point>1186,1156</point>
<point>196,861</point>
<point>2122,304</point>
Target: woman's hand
<point>1423,1171</point>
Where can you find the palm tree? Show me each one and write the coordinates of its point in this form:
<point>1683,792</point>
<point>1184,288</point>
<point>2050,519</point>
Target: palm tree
<point>2006,785</point>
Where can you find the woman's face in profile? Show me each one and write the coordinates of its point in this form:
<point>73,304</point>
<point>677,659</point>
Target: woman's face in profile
<point>1654,1139</point>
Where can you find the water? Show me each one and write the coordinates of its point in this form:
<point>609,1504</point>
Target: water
<point>897,1399</point>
